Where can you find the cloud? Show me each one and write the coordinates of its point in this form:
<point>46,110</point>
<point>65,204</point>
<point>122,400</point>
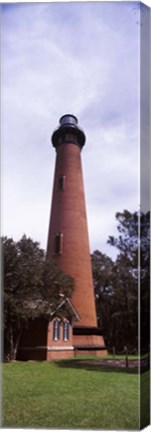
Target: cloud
<point>81,58</point>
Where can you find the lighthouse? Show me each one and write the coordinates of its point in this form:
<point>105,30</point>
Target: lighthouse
<point>68,241</point>
<point>72,326</point>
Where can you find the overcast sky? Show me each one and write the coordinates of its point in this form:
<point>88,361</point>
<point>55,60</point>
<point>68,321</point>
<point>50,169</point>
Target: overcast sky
<point>79,58</point>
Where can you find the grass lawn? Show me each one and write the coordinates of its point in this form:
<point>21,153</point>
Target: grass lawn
<point>109,357</point>
<point>145,399</point>
<point>62,395</point>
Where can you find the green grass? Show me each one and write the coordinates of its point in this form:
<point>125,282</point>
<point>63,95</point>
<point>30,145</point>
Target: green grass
<point>108,357</point>
<point>62,395</point>
<point>145,399</point>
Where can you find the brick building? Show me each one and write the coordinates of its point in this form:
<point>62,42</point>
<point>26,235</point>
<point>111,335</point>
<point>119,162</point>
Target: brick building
<point>48,339</point>
<point>68,241</point>
<point>68,244</point>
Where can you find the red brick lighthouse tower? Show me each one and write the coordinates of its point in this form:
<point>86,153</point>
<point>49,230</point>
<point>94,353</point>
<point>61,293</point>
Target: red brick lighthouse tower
<point>68,240</point>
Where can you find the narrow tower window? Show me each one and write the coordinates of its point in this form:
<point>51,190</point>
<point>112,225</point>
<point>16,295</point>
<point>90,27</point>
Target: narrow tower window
<point>61,183</point>
<point>66,331</point>
<point>58,243</point>
<point>56,330</point>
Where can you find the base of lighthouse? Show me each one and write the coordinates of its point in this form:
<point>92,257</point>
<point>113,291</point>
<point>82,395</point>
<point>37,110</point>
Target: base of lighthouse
<point>88,341</point>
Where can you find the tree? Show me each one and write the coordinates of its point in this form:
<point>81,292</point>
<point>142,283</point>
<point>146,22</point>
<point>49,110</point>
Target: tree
<point>134,260</point>
<point>32,285</point>
<point>116,284</point>
<point>145,281</point>
<point>127,242</point>
<point>104,282</point>
<point>112,286</point>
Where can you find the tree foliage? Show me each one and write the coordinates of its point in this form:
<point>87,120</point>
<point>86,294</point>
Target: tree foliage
<point>145,279</point>
<point>116,283</point>
<point>32,285</point>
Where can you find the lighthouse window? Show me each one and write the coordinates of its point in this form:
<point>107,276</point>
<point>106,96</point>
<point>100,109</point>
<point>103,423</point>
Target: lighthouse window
<point>65,331</point>
<point>58,243</point>
<point>70,138</point>
<point>61,183</point>
<point>56,330</point>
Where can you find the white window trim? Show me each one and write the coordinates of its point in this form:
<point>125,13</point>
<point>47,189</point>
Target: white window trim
<point>66,331</point>
<point>55,330</point>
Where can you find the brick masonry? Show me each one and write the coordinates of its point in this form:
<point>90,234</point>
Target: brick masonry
<point>68,216</point>
<point>37,342</point>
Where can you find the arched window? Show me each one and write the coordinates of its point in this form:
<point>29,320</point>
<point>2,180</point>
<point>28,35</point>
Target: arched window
<point>56,329</point>
<point>66,331</point>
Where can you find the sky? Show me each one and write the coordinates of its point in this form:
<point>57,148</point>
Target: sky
<point>78,58</point>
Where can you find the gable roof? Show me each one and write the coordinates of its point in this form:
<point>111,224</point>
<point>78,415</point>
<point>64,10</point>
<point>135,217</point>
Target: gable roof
<point>69,307</point>
<point>49,310</point>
